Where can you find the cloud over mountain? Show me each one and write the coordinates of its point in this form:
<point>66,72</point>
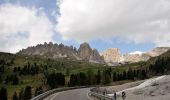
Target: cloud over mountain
<point>135,21</point>
<point>22,26</point>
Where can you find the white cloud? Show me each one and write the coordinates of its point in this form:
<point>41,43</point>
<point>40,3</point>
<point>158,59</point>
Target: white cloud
<point>136,52</point>
<point>131,20</point>
<point>21,27</point>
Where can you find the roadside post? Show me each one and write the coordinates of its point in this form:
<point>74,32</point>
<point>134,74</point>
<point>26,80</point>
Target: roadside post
<point>115,96</point>
<point>105,92</point>
<point>123,95</point>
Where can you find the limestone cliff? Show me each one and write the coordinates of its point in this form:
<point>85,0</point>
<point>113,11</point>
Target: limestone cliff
<point>112,55</point>
<point>89,54</point>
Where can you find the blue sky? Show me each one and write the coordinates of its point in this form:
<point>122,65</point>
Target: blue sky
<point>71,23</point>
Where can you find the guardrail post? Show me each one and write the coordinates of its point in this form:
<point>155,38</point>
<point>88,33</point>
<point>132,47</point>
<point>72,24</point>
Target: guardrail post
<point>101,95</point>
<point>123,95</point>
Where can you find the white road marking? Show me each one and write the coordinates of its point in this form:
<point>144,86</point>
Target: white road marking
<point>88,96</point>
<point>56,94</point>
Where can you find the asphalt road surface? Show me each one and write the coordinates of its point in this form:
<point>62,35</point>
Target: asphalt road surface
<point>76,94</point>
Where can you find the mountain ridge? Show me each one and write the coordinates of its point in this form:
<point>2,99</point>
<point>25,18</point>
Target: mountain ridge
<point>50,50</point>
<point>112,56</point>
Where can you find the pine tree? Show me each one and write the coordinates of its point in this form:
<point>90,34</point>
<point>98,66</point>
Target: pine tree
<point>141,74</point>
<point>67,72</point>
<point>98,77</point>
<point>3,93</point>
<point>114,76</point>
<point>38,91</point>
<point>55,79</point>
<point>21,94</point>
<point>0,79</point>
<point>90,78</point>
<point>73,80</point>
<point>15,69</point>
<point>15,80</point>
<point>130,74</point>
<point>6,79</point>
<point>106,78</point>
<point>15,96</point>
<point>27,93</point>
<point>82,79</point>
<point>124,75</point>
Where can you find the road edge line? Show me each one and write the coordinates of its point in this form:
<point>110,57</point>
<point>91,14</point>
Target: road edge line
<point>88,96</point>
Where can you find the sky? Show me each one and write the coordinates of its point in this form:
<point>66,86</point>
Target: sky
<point>131,25</point>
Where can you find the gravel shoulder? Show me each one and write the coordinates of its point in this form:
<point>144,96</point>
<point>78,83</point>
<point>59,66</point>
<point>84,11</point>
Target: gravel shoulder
<point>151,89</point>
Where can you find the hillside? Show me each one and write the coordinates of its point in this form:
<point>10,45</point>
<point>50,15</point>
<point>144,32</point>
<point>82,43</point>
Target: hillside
<point>33,70</point>
<point>160,65</point>
<point>18,71</point>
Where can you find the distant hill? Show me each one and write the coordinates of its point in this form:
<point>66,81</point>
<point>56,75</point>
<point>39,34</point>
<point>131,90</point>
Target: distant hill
<point>157,51</point>
<point>159,65</point>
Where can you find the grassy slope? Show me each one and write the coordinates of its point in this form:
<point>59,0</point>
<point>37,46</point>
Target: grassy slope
<point>58,65</point>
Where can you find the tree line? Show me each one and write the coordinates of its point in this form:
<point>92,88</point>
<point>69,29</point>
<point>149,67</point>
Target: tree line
<point>28,69</point>
<point>24,94</point>
<point>160,66</point>
<point>105,76</point>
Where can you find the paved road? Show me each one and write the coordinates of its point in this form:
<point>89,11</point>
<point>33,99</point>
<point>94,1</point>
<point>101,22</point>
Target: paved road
<point>77,94</point>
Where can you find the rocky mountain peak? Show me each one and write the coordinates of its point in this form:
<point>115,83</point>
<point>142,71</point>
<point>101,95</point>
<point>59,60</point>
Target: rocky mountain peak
<point>158,51</point>
<point>62,51</point>
<point>50,50</point>
<point>85,51</point>
<point>112,55</point>
<point>85,45</point>
<point>95,57</point>
<point>89,54</point>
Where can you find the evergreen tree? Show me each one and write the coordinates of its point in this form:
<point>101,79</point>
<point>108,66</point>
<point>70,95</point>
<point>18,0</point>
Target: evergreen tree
<point>67,72</point>
<point>15,80</point>
<point>73,80</point>
<point>6,79</point>
<point>134,73</point>
<point>12,79</point>
<point>55,79</point>
<point>15,96</point>
<point>27,93</point>
<point>114,76</point>
<point>98,77</point>
<point>3,93</point>
<point>38,91</point>
<point>106,78</point>
<point>124,75</point>
<point>81,79</point>
<point>90,78</point>
<point>1,79</point>
<point>15,70</point>
<point>21,94</point>
<point>142,74</point>
<point>130,74</point>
